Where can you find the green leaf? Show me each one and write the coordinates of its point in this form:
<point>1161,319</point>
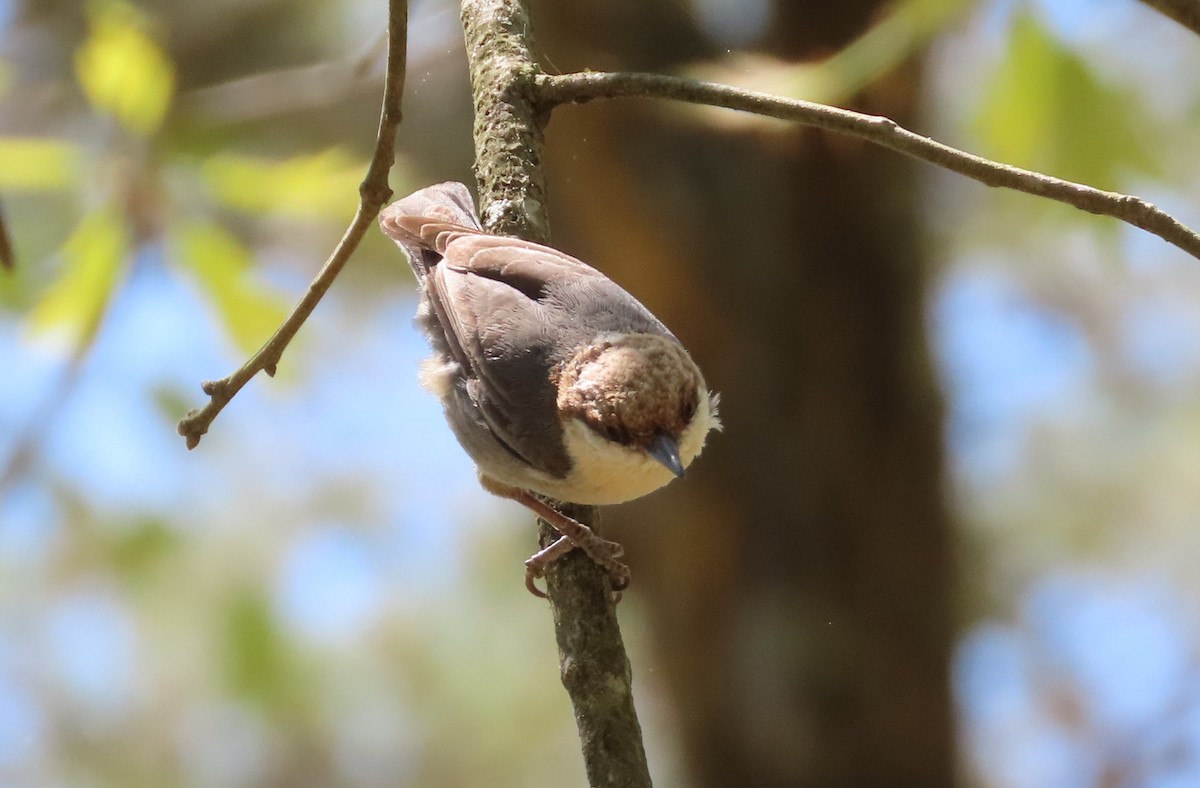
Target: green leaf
<point>256,654</point>
<point>37,164</point>
<point>122,71</point>
<point>324,185</point>
<point>1046,110</point>
<point>93,256</point>
<point>901,32</point>
<point>135,551</point>
<point>222,265</point>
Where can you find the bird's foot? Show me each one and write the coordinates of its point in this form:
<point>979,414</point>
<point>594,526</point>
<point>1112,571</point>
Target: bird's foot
<point>602,551</point>
<point>574,534</point>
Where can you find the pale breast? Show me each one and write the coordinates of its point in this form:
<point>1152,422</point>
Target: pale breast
<point>604,472</point>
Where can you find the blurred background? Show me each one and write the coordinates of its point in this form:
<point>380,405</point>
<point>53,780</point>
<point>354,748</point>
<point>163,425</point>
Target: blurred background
<point>947,537</point>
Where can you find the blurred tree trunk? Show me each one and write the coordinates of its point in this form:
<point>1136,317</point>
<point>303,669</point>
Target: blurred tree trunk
<point>800,579</point>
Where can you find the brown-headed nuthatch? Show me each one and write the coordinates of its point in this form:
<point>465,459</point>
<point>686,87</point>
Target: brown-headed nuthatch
<point>556,381</point>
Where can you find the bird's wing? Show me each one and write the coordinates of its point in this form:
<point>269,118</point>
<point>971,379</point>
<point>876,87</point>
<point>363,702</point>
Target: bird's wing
<point>506,338</point>
<point>585,301</point>
<point>511,311</point>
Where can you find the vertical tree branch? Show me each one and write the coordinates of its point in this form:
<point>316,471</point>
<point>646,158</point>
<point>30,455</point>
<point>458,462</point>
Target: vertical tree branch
<point>508,133</point>
<point>508,148</point>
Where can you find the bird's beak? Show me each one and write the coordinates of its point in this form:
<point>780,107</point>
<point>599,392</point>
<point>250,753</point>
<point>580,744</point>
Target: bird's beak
<point>666,450</point>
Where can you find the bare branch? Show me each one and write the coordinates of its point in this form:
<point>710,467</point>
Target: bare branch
<point>8,260</point>
<point>508,148</point>
<point>373,195</point>
<point>581,88</point>
<point>30,441</point>
<point>1185,12</point>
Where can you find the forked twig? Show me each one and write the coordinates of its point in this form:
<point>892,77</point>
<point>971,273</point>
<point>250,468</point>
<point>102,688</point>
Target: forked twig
<point>373,195</point>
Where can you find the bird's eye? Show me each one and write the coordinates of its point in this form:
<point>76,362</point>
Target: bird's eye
<point>687,411</point>
<point>615,433</point>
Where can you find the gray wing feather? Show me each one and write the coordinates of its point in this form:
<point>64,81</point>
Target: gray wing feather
<point>507,312</point>
<point>507,351</point>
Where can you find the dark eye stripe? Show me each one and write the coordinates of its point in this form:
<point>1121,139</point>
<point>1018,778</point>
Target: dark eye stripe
<point>687,410</point>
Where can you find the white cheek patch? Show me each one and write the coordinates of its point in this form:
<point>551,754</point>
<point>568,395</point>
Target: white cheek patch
<point>604,472</point>
<point>693,438</point>
<point>713,403</point>
<point>607,473</point>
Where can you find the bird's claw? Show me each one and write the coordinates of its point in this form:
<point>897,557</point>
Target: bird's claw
<point>532,574</point>
<point>603,553</point>
<point>573,534</point>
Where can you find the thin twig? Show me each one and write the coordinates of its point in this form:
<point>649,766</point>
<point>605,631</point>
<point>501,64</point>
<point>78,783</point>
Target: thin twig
<point>1185,12</point>
<point>373,195</point>
<point>8,260</point>
<point>31,440</point>
<point>584,87</point>
<point>508,148</point>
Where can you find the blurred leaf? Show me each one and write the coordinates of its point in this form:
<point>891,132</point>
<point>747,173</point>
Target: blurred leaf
<point>136,550</point>
<point>902,32</point>
<point>37,163</point>
<point>222,264</point>
<point>170,401</point>
<point>1045,110</point>
<point>324,185</point>
<point>906,28</point>
<point>93,257</point>
<point>122,71</point>
<point>256,654</point>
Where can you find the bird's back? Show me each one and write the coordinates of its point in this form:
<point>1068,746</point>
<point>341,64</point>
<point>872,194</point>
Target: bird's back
<point>503,316</point>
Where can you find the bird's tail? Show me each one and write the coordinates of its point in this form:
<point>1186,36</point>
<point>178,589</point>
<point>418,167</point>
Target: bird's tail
<point>426,220</point>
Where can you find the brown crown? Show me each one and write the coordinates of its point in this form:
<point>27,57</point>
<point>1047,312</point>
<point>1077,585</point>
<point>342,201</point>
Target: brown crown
<point>632,388</point>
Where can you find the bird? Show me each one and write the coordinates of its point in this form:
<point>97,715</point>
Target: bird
<point>559,384</point>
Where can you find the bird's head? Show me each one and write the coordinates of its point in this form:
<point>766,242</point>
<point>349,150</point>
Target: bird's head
<point>641,392</point>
